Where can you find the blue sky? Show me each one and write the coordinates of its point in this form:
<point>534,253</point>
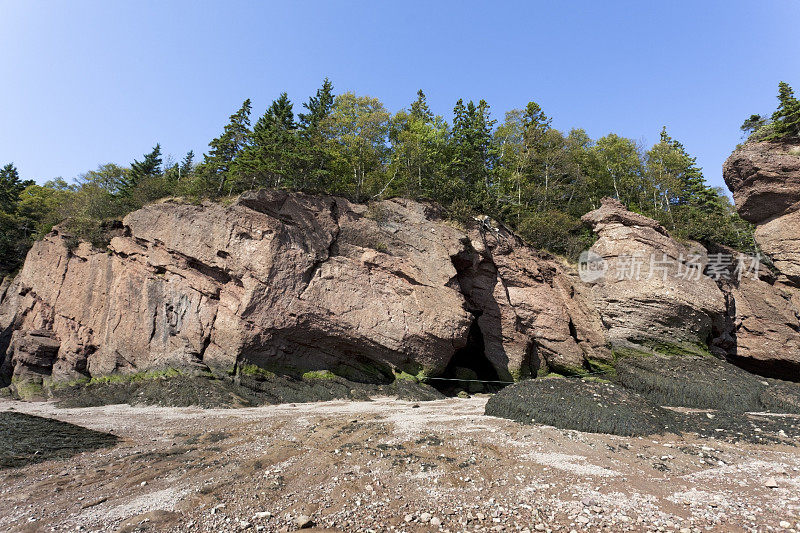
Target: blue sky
<point>88,82</point>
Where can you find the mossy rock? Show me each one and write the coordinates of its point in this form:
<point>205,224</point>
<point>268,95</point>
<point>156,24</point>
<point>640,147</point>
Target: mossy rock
<point>319,375</point>
<point>28,389</point>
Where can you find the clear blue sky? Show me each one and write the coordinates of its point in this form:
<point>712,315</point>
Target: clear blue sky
<point>88,82</point>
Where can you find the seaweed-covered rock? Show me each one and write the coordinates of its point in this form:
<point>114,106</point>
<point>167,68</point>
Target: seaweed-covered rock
<point>705,383</point>
<point>580,405</point>
<point>27,439</point>
<point>653,394</point>
<point>173,388</point>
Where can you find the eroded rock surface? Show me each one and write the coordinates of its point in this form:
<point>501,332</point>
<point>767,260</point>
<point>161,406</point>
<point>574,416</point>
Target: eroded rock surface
<point>765,180</point>
<point>293,282</point>
<point>654,291</point>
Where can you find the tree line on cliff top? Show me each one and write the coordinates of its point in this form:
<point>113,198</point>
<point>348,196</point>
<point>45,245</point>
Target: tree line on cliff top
<point>523,171</point>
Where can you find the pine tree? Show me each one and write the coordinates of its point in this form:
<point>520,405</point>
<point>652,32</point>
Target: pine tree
<point>226,147</point>
<point>475,156</point>
<point>786,119</point>
<point>187,165</point>
<point>319,106</point>
<point>752,124</point>
<point>149,167</point>
<point>10,188</point>
<point>315,155</point>
<point>271,159</point>
<point>420,109</point>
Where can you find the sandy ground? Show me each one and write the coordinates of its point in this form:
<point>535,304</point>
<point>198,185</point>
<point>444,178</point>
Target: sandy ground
<point>390,465</point>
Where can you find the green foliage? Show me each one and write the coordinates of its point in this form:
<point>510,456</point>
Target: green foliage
<point>142,170</point>
<point>216,170</point>
<point>786,119</point>
<point>10,187</point>
<point>255,371</point>
<point>536,179</point>
<point>784,123</point>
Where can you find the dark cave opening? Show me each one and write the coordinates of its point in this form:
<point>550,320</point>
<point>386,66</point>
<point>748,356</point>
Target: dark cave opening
<point>469,369</point>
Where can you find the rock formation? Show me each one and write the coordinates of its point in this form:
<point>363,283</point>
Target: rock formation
<point>765,180</point>
<point>653,291</point>
<point>291,282</point>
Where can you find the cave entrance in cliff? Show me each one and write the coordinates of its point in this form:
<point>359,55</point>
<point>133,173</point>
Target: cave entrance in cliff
<point>469,369</point>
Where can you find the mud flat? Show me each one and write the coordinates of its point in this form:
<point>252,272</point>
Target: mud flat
<point>389,464</point>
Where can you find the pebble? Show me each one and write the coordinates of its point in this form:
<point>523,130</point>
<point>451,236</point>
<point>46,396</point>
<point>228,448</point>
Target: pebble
<point>303,522</point>
<point>436,522</point>
<point>261,515</point>
<point>771,483</point>
<point>785,525</point>
<point>425,518</point>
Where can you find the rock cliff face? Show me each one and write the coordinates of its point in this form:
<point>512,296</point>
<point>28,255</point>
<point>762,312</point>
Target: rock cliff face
<point>293,283</point>
<point>290,283</point>
<point>765,181</point>
<point>658,294</point>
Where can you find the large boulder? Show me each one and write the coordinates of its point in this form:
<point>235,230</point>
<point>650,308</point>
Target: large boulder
<point>651,291</point>
<point>765,180</point>
<point>292,282</point>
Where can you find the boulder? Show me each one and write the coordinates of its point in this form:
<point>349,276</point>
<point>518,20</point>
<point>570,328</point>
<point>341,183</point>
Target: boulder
<point>652,291</point>
<point>291,283</point>
<point>34,353</point>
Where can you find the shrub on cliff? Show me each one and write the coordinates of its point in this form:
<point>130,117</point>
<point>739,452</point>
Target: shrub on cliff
<point>784,122</point>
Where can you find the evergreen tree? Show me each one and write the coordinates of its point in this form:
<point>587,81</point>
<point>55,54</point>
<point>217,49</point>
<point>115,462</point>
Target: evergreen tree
<point>187,165</point>
<point>315,157</point>
<point>474,155</point>
<point>420,109</point>
<point>149,167</point>
<point>753,124</point>
<point>225,148</point>
<point>10,188</point>
<point>319,107</point>
<point>15,230</point>
<point>786,119</point>
<point>272,158</point>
